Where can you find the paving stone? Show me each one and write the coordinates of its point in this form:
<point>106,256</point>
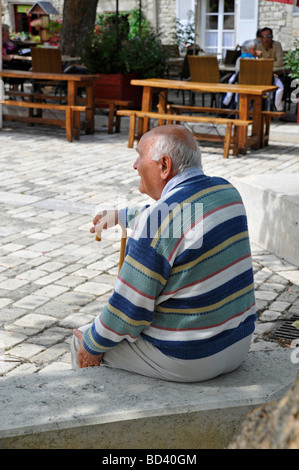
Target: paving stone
<point>44,281</point>
<point>36,321</point>
<point>8,315</point>
<point>270,316</point>
<point>265,295</point>
<point>31,302</point>
<point>12,284</point>
<point>8,340</point>
<point>56,309</point>
<point>51,291</point>
<point>76,320</point>
<point>25,351</point>
<point>51,336</point>
<point>76,298</point>
<point>22,369</point>
<point>50,354</point>
<point>5,301</point>
<point>280,306</point>
<point>93,288</point>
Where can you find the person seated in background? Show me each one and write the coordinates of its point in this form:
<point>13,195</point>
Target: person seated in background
<point>271,49</point>
<point>9,54</point>
<point>248,51</point>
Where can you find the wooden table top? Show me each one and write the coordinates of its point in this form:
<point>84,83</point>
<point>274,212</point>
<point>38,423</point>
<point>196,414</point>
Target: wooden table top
<point>46,76</point>
<point>203,87</point>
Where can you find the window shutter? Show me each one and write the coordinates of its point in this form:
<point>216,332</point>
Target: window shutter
<point>247,20</point>
<point>183,9</point>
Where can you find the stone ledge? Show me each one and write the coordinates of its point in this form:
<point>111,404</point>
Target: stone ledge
<point>111,409</point>
<point>272,206</point>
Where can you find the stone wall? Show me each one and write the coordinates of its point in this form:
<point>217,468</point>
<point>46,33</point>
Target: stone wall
<point>162,15</point>
<point>280,18</point>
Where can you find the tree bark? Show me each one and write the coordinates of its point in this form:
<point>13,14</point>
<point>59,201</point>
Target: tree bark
<point>78,21</point>
<point>272,426</point>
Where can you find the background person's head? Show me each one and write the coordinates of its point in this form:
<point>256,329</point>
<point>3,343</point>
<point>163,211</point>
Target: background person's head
<point>164,152</point>
<point>5,32</point>
<point>250,46</point>
<point>266,37</point>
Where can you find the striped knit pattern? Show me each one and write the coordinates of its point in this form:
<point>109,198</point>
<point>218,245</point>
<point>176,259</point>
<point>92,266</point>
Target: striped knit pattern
<point>189,295</point>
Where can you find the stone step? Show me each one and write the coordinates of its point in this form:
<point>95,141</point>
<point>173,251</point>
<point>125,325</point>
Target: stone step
<point>272,206</point>
<point>111,409</point>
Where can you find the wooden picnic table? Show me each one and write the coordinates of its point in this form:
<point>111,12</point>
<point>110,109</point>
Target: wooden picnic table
<point>74,81</point>
<point>247,94</point>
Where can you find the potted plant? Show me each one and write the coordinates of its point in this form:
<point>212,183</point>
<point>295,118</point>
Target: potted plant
<point>120,54</point>
<point>291,62</point>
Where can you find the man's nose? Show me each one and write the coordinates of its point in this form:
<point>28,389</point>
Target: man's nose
<point>135,163</point>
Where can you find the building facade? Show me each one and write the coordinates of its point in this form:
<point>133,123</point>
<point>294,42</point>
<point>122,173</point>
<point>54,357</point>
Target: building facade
<point>220,24</point>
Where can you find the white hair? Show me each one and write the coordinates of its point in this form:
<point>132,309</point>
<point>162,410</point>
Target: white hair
<point>249,44</point>
<point>182,156</point>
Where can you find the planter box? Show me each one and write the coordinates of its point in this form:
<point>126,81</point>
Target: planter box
<point>117,86</point>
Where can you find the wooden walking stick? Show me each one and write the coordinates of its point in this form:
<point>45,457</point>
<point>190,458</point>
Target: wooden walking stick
<point>123,242</point>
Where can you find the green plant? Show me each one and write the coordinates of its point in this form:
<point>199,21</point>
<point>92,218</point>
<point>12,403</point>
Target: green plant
<point>185,32</point>
<point>145,55</point>
<point>55,28</point>
<point>133,46</point>
<point>291,61</point>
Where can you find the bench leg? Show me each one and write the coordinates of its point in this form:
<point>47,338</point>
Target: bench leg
<point>117,122</point>
<point>111,118</point>
<point>227,140</point>
<point>76,125</point>
<point>69,124</point>
<point>266,120</point>
<point>132,130</point>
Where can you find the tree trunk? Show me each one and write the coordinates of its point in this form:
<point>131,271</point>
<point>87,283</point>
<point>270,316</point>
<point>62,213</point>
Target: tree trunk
<point>272,426</point>
<point>78,21</point>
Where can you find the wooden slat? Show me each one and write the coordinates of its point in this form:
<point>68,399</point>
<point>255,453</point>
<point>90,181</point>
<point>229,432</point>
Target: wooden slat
<point>185,118</point>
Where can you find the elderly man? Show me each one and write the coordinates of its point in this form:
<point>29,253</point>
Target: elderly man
<point>271,49</point>
<point>183,306</point>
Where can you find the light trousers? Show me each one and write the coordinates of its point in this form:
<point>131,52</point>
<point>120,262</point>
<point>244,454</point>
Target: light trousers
<point>143,358</point>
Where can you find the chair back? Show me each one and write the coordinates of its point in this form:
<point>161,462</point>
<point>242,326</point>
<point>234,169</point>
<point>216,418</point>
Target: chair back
<point>46,59</point>
<point>256,72</point>
<point>204,68</point>
<point>231,56</point>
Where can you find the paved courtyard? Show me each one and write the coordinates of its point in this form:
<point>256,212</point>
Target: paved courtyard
<point>54,276</point>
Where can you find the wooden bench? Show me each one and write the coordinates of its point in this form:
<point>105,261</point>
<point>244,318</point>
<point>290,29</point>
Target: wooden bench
<point>34,96</point>
<point>266,121</point>
<point>71,122</point>
<point>114,106</point>
<point>230,140</point>
<point>266,116</point>
<point>179,108</point>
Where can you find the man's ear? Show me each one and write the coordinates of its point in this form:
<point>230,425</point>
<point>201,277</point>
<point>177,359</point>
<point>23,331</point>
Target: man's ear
<point>166,167</point>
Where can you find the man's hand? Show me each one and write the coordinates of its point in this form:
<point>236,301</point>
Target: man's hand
<point>104,220</point>
<point>84,358</point>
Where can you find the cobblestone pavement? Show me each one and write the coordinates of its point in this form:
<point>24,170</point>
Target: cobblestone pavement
<point>54,276</point>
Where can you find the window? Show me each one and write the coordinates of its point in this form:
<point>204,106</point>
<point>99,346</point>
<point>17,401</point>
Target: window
<point>22,22</point>
<point>218,26</point>
<point>295,8</point>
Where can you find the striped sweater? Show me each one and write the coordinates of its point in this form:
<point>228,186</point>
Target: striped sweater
<point>186,284</point>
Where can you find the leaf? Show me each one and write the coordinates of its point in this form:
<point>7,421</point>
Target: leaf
<point>296,324</point>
